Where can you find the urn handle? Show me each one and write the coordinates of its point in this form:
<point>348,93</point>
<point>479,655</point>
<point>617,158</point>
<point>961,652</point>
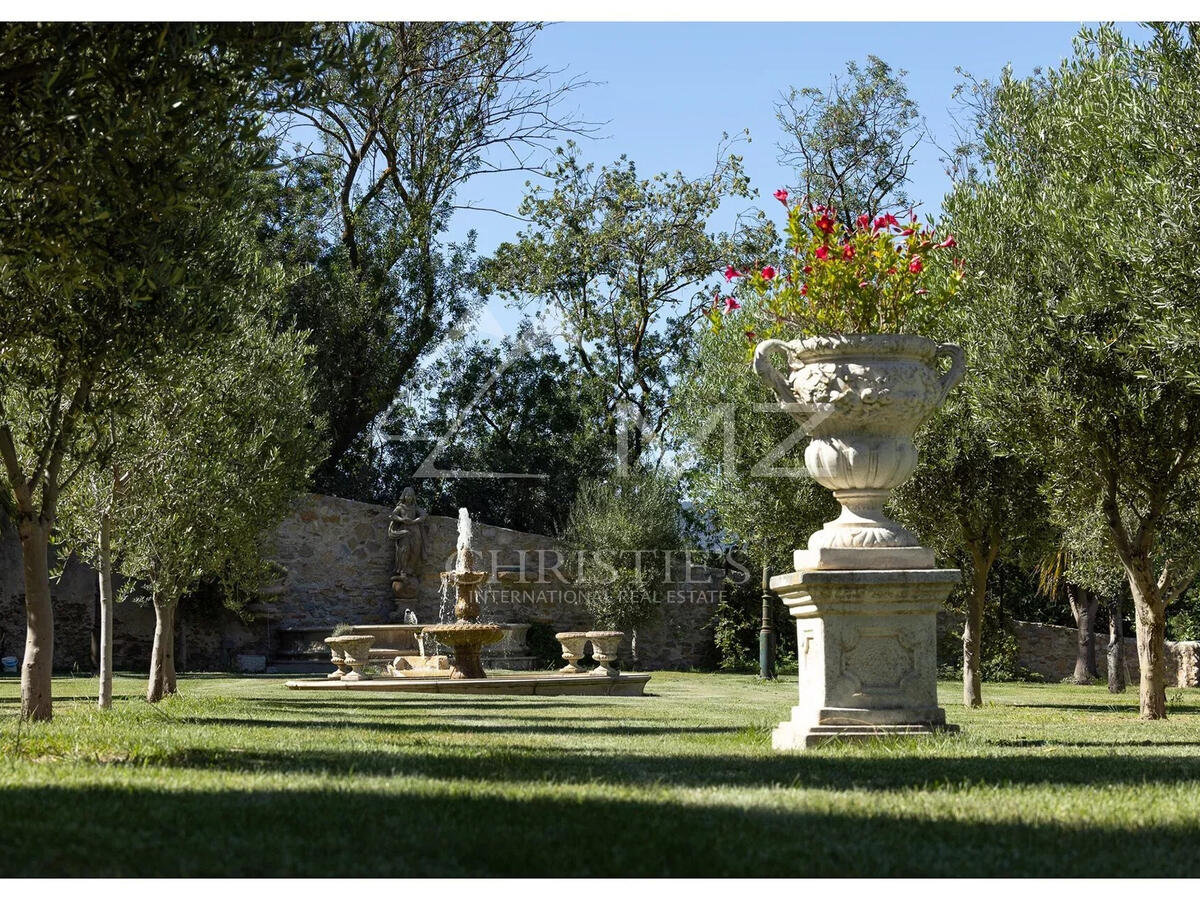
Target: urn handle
<point>958,366</point>
<point>768,373</point>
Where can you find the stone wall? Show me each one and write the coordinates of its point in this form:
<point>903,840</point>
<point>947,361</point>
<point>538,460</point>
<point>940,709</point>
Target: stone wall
<point>210,637</point>
<point>1050,651</point>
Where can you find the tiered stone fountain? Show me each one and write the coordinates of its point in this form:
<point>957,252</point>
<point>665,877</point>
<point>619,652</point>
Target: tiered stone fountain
<point>466,635</point>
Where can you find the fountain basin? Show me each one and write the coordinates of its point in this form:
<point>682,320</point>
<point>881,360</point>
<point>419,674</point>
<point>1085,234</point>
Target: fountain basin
<point>544,685</point>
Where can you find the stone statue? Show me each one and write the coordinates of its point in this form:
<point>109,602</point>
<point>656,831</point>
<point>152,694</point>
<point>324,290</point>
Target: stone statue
<point>406,526</point>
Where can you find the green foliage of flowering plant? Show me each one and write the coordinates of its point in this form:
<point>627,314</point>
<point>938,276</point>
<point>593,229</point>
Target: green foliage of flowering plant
<point>881,276</point>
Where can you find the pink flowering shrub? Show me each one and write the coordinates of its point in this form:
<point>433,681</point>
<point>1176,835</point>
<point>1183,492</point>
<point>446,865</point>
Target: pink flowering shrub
<point>877,277</point>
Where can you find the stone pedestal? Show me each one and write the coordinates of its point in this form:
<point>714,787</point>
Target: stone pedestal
<point>867,650</point>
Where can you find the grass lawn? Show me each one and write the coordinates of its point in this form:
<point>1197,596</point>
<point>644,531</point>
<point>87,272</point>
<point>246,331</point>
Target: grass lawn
<point>238,776</point>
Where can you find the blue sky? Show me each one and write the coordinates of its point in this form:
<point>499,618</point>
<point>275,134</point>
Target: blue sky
<point>666,92</point>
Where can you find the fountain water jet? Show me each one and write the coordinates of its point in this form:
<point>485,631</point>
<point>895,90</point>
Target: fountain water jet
<point>466,635</point>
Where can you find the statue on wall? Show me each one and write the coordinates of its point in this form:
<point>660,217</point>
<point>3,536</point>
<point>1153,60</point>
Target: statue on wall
<point>406,526</point>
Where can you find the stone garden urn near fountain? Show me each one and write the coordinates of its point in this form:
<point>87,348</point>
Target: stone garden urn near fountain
<point>574,644</point>
<point>466,635</point>
<point>605,645</point>
<point>355,650</point>
<point>336,657</point>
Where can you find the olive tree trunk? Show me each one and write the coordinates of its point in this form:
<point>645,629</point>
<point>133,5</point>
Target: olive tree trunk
<point>37,664</point>
<point>973,638</point>
<point>169,651</point>
<point>1150,624</point>
<point>106,611</point>
<point>162,654</point>
<point>1084,606</point>
<point>1116,647</point>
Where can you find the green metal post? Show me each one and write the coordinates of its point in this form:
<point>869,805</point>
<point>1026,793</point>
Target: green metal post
<point>766,636</point>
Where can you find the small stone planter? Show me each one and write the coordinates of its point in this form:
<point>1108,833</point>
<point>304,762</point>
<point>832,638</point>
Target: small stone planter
<point>355,650</point>
<point>336,657</point>
<point>574,644</point>
<point>605,645</point>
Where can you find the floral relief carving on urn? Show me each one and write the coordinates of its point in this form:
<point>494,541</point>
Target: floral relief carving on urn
<point>861,398</point>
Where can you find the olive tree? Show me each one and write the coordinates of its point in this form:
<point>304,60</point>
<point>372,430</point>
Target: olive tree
<point>127,148</point>
<point>1080,232</point>
<point>620,530</point>
<point>211,463</point>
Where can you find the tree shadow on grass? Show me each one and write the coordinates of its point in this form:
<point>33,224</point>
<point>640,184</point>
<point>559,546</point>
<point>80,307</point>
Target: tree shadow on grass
<point>1115,742</point>
<point>372,833</point>
<point>1123,708</point>
<point>590,765</point>
<point>430,728</point>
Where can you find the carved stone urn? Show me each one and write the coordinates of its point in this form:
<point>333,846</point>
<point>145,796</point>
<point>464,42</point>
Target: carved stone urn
<point>335,657</point>
<point>574,643</point>
<point>865,594</point>
<point>861,397</point>
<point>356,652</point>
<point>605,645</point>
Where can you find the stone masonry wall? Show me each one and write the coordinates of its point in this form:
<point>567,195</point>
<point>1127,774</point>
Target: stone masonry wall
<point>210,637</point>
<point>1049,650</point>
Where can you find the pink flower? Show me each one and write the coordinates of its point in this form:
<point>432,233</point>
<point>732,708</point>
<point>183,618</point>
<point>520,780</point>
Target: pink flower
<point>863,221</point>
<point>731,305</point>
<point>922,292</point>
<point>848,252</point>
<point>907,231</point>
<point>864,284</point>
<point>750,336</point>
<point>885,221</point>
<point>825,224</point>
<point>822,252</point>
<point>732,273</point>
<point>948,242</point>
<point>768,272</point>
<point>807,270</point>
<point>804,290</point>
<point>916,265</point>
<point>781,195</point>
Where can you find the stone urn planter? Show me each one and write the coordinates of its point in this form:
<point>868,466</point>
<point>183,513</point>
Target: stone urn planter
<point>861,397</point>
<point>574,644</point>
<point>605,645</point>
<point>355,650</point>
<point>336,657</point>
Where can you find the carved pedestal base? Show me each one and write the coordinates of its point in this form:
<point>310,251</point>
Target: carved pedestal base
<point>867,653</point>
<point>467,663</point>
